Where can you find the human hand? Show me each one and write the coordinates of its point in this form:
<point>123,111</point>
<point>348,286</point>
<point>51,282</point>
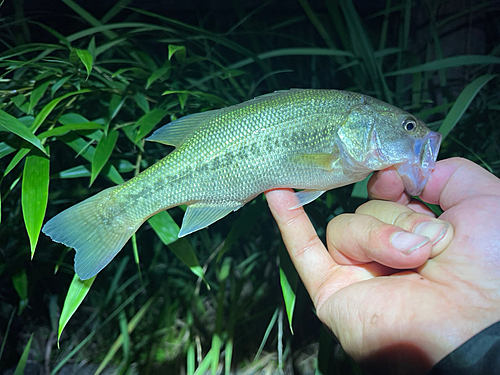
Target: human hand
<point>401,311</point>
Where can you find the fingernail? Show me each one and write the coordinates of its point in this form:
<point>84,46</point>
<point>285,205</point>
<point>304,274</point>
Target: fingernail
<point>435,231</point>
<point>408,242</point>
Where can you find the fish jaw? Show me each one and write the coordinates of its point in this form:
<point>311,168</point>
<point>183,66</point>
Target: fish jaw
<point>416,172</point>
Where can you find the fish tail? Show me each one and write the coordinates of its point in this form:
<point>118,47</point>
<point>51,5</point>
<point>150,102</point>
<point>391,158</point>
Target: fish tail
<point>96,228</point>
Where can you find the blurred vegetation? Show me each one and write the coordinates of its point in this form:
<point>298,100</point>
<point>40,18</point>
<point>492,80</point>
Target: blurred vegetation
<point>77,102</point>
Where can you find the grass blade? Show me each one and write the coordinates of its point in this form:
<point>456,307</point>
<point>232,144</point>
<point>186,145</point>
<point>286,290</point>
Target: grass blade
<point>76,293</point>
<point>11,124</point>
<point>121,339</point>
<point>103,152</point>
<point>449,62</point>
<point>35,195</point>
<point>24,358</point>
<point>462,103</point>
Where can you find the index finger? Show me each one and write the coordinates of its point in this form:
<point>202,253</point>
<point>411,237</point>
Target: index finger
<point>321,275</point>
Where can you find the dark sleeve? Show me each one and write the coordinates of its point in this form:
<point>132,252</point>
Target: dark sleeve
<point>479,355</point>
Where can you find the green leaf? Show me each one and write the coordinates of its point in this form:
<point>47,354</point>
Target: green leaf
<point>182,99</point>
<point>75,172</point>
<point>59,83</point>
<point>16,159</point>
<point>34,195</point>
<point>102,153</point>
<point>5,149</point>
<point>24,358</point>
<point>288,281</point>
<point>178,51</point>
<point>40,118</point>
<point>185,252</point>
<point>21,103</point>
<point>115,105</point>
<point>37,94</point>
<point>197,94</point>
<point>86,59</point>
<point>76,293</point>
<point>165,227</point>
<point>142,102</point>
<point>20,282</point>
<point>148,121</point>
<point>11,124</point>
<point>449,62</point>
<point>158,73</point>
<point>83,149</point>
<point>60,130</point>
<point>462,103</point>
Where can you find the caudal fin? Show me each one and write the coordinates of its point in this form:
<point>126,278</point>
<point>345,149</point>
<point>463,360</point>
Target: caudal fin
<point>96,228</point>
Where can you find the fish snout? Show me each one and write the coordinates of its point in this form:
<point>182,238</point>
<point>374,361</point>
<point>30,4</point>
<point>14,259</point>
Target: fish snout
<point>416,172</point>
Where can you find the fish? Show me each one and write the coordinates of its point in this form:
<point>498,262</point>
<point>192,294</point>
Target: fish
<point>307,139</point>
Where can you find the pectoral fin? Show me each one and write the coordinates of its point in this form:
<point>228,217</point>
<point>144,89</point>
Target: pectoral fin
<point>307,196</point>
<point>323,161</point>
<point>201,215</point>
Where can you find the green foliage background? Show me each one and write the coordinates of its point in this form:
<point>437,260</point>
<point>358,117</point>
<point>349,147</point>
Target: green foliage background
<point>75,108</point>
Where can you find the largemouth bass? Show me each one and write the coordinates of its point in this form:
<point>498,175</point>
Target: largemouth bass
<point>313,140</point>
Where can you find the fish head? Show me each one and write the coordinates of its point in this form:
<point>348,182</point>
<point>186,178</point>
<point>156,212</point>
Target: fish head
<point>377,135</point>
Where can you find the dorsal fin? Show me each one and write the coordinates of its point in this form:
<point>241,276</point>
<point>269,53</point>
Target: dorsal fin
<point>176,132</point>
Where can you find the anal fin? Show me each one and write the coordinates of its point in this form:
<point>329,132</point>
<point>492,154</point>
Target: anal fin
<point>307,196</point>
<point>201,215</point>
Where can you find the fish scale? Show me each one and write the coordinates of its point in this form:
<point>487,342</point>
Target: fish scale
<point>305,139</point>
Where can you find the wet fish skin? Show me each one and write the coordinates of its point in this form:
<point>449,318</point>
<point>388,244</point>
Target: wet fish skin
<point>314,140</point>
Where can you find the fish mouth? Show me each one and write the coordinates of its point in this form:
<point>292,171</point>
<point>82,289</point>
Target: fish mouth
<point>416,172</point>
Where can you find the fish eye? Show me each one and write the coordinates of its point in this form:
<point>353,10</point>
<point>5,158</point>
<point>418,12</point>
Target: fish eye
<point>409,124</point>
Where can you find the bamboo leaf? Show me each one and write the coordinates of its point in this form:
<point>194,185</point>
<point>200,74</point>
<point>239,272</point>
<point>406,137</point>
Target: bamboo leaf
<point>462,103</point>
<point>288,281</point>
<point>178,51</point>
<point>59,83</point>
<point>60,130</point>
<point>24,358</point>
<point>103,151</point>
<point>142,102</point>
<point>83,149</point>
<point>37,94</point>
<point>115,105</point>
<point>16,159</point>
<point>76,293</point>
<point>40,118</point>
<point>11,124</point>
<point>21,103</point>
<point>35,195</point>
<point>148,121</point>
<point>165,227</point>
<point>158,73</point>
<point>20,282</point>
<point>185,252</point>
<point>86,59</point>
<point>5,149</point>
